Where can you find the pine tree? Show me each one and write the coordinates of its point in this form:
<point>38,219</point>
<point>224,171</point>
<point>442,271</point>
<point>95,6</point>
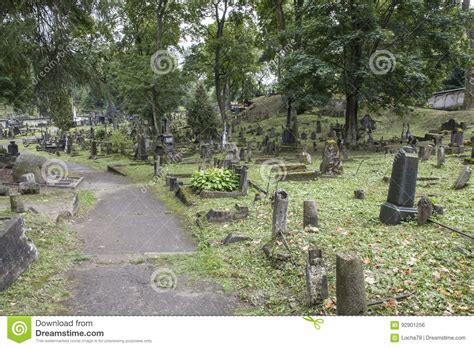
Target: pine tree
<point>201,115</point>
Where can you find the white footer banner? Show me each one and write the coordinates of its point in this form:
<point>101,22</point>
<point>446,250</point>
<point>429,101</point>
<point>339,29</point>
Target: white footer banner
<point>235,331</point>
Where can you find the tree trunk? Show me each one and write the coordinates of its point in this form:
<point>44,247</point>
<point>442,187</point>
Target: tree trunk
<point>469,84</point>
<point>353,85</point>
<point>220,21</point>
<point>156,111</point>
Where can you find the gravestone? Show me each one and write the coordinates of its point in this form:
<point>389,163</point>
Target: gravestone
<point>244,180</point>
<point>17,251</point>
<point>359,194</point>
<point>440,157</point>
<point>93,148</point>
<point>68,144</point>
<point>108,148</point>
<point>472,145</point>
<point>29,163</point>
<point>259,130</point>
<point>13,149</point>
<point>4,190</point>
<point>318,127</point>
<point>463,178</point>
<point>310,214</point>
<point>29,188</point>
<point>272,132</point>
<point>280,211</point>
<point>16,204</point>
<point>205,151</point>
<point>234,238</point>
<point>316,278</point>
<point>141,153</point>
<point>401,193</point>
<point>425,209</point>
<point>313,136</point>
<point>350,285</point>
<point>288,138</point>
<point>331,163</point>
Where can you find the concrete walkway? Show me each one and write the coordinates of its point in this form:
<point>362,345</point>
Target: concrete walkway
<point>129,223</point>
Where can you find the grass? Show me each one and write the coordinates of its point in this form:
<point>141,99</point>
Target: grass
<point>428,260</point>
<point>43,287</point>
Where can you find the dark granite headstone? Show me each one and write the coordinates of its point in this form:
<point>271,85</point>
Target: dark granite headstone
<point>401,193</point>
<point>13,149</point>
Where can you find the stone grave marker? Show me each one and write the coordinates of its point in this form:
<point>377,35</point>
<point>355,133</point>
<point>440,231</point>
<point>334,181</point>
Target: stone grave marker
<point>463,178</point>
<point>280,211</point>
<point>331,163</point>
<point>316,278</point>
<point>18,252</point>
<point>440,157</point>
<point>401,193</point>
<point>310,214</point>
<point>350,285</point>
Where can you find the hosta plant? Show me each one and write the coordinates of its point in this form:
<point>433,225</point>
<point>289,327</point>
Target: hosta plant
<point>215,179</point>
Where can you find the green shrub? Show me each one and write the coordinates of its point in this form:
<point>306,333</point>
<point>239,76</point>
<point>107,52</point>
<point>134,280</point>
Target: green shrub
<point>215,179</point>
<point>120,142</point>
<point>100,134</point>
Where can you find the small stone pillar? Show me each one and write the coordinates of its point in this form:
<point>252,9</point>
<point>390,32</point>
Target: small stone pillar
<point>157,166</point>
<point>440,157</point>
<point>16,204</point>
<point>173,181</point>
<point>350,286</point>
<point>425,209</point>
<point>93,148</point>
<point>280,210</point>
<point>310,214</point>
<point>359,194</point>
<point>316,278</point>
<point>244,180</point>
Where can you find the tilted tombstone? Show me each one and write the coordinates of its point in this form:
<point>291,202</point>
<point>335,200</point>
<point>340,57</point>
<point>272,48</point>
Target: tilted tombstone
<point>401,192</point>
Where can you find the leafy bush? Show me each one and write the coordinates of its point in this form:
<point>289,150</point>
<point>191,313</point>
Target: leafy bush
<point>215,179</point>
<point>120,142</point>
<point>100,134</point>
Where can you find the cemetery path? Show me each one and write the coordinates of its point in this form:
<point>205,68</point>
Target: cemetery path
<point>121,234</point>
